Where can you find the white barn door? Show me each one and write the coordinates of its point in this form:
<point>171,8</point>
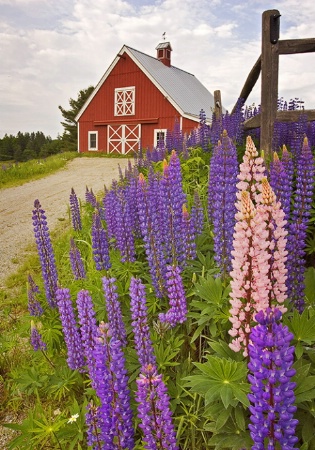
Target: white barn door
<point>123,138</point>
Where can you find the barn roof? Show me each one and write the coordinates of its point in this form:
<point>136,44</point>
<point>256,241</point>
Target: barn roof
<point>182,89</point>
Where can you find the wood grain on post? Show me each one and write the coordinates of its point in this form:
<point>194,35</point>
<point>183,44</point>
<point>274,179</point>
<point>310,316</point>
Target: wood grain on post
<point>217,104</point>
<point>269,83</point>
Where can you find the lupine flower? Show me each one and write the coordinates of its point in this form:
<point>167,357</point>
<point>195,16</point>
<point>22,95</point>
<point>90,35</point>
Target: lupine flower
<point>110,380</point>
<point>92,423</point>
<point>109,201</point>
<point>46,253</point>
<point>88,327</point>
<point>197,216</point>
<point>90,197</point>
<point>305,172</point>
<point>221,200</point>
<point>123,227</point>
<point>75,211</point>
<point>113,308</point>
<point>281,184</point>
<point>272,392</point>
<point>34,306</point>
<point>259,255</point>
<point>76,262</point>
<point>189,236</point>
<point>75,359</point>
<point>36,338</point>
<point>149,221</point>
<point>143,343</point>
<point>100,244</point>
<point>154,411</point>
<point>177,298</point>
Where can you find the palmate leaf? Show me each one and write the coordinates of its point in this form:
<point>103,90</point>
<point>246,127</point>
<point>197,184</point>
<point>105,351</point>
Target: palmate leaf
<point>302,326</point>
<point>224,380</point>
<point>210,289</point>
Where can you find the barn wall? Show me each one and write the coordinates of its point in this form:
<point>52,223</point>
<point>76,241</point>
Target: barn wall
<point>150,104</point>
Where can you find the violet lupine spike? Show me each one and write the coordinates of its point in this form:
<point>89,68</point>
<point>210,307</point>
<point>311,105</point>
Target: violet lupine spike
<point>222,198</point>
<point>75,211</point>
<point>281,184</point>
<point>197,215</point>
<point>305,173</point>
<point>150,235</point>
<point>36,339</point>
<point>272,392</point>
<point>34,306</point>
<point>90,197</point>
<point>113,308</point>
<point>46,253</point>
<point>110,380</point>
<point>88,327</point>
<point>154,411</point>
<point>93,429</point>
<point>76,261</point>
<point>177,298</point>
<point>188,232</point>
<point>109,201</point>
<point>75,358</point>
<point>139,315</point>
<point>100,244</point>
<point>123,228</point>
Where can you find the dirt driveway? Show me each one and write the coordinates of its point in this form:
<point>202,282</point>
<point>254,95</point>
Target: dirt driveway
<point>16,204</point>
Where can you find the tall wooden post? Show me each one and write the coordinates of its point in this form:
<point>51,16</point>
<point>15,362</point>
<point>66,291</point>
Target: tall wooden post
<point>269,79</point>
<point>217,104</point>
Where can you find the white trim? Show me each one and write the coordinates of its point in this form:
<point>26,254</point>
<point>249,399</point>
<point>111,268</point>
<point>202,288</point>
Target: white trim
<point>78,137</point>
<point>124,101</point>
<point>156,131</point>
<point>92,149</point>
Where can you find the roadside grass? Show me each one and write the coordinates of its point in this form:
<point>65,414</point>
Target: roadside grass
<point>16,174</point>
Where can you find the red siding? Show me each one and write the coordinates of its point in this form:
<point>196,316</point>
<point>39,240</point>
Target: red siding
<point>149,104</point>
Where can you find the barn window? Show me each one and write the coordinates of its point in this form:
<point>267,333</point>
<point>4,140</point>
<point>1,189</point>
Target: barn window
<point>93,140</point>
<point>159,137</point>
<point>125,101</point>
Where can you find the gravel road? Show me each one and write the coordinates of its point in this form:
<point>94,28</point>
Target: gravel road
<point>53,191</point>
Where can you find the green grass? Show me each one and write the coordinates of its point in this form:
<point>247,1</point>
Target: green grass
<point>16,174</point>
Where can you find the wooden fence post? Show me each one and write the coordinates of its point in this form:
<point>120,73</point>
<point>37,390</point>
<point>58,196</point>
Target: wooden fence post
<point>217,104</point>
<point>269,81</point>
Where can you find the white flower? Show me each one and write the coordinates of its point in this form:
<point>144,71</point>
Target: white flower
<point>73,418</point>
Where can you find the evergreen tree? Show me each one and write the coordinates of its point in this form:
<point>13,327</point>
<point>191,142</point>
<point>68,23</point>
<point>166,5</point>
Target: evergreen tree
<point>69,136</point>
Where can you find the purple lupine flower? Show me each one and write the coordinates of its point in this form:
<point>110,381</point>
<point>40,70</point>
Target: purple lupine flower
<point>109,201</point>
<point>154,411</point>
<point>123,227</point>
<point>139,315</point>
<point>197,216</point>
<point>110,379</point>
<point>100,244</point>
<point>204,131</point>
<point>46,253</point>
<point>221,200</point>
<point>36,339</point>
<point>88,327</point>
<point>34,306</point>
<point>272,392</point>
<point>92,423</point>
<point>281,184</point>
<point>75,211</point>
<point>149,220</point>
<point>177,298</point>
<point>76,262</point>
<point>305,172</point>
<point>90,197</point>
<point>75,358</point>
<point>113,308</point>
<point>188,232</point>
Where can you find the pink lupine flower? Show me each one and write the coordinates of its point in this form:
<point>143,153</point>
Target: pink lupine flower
<point>259,255</point>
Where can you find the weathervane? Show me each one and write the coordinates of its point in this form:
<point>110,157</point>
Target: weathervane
<point>163,35</point>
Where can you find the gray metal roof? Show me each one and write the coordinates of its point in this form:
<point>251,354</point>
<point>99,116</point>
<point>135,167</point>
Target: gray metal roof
<point>183,88</point>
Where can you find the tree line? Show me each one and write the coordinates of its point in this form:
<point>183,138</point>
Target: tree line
<point>26,146</point>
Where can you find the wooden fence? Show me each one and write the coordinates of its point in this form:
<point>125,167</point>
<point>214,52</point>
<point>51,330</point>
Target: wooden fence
<point>268,66</point>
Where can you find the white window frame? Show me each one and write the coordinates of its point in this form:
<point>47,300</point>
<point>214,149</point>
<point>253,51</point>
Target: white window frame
<point>125,101</point>
<point>156,131</point>
<point>92,149</point>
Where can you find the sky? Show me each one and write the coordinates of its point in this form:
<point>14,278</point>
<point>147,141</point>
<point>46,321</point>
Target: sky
<point>52,49</point>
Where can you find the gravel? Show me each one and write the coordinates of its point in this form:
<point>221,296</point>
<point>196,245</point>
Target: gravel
<point>53,191</point>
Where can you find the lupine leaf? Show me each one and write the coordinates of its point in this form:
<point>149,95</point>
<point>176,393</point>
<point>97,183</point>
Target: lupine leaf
<point>302,326</point>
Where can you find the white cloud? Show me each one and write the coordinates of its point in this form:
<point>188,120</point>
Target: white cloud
<point>51,50</point>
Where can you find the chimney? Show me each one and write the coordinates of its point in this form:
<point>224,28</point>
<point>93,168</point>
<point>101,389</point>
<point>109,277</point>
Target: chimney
<point>164,53</point>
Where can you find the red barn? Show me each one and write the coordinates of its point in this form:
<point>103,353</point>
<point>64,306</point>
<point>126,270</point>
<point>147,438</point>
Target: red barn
<point>137,100</point>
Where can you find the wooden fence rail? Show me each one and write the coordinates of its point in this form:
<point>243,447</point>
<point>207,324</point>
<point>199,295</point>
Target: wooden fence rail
<point>268,66</point>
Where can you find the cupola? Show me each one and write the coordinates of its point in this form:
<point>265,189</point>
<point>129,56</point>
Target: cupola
<point>163,54</point>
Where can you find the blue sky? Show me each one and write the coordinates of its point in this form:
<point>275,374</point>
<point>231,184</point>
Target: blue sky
<point>50,49</point>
